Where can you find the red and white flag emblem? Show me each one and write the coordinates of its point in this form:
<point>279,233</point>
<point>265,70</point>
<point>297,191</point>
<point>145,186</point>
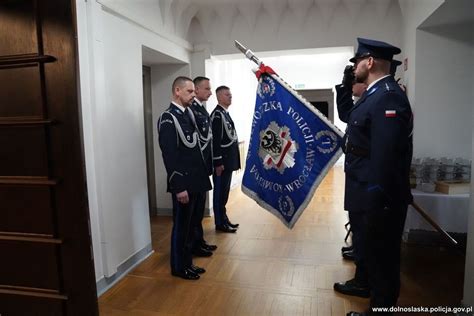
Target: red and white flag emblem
<point>390,113</point>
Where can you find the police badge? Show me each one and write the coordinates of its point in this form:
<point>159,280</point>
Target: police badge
<point>266,87</point>
<point>277,149</point>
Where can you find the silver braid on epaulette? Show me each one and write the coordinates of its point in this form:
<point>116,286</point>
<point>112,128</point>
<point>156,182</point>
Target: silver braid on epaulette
<point>186,143</point>
<point>231,134</point>
<point>206,141</point>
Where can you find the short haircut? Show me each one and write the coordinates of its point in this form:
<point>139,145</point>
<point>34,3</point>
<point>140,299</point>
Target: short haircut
<point>179,82</point>
<point>199,79</point>
<point>220,88</point>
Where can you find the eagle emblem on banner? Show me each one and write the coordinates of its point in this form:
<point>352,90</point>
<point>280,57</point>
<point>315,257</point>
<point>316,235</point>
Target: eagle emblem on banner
<point>277,149</point>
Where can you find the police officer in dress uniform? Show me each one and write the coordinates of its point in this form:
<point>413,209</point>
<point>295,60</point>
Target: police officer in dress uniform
<point>345,99</point>
<point>226,157</point>
<point>202,89</point>
<point>378,145</point>
<point>359,285</point>
<point>187,174</point>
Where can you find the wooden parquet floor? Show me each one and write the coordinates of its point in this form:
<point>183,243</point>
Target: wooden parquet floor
<point>267,269</point>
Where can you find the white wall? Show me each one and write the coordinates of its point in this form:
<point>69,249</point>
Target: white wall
<point>168,19</point>
<point>443,102</point>
<point>87,80</point>
<point>414,13</point>
<point>110,56</point>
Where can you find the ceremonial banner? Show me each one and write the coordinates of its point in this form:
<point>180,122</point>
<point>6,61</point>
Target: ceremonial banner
<point>292,147</point>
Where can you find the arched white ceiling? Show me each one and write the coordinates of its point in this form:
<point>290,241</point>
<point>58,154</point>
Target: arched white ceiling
<point>297,23</point>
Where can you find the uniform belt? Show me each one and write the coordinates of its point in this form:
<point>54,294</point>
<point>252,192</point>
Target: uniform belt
<point>356,150</point>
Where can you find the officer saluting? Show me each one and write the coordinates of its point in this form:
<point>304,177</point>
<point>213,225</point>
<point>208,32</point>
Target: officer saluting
<point>378,156</point>
<point>187,174</point>
<point>225,156</point>
<point>354,188</point>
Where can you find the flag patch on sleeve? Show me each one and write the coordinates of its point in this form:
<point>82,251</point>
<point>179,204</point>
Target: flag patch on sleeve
<point>390,113</point>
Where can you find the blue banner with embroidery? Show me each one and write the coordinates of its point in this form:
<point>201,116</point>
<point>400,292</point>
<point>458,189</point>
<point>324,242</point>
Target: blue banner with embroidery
<point>292,147</point>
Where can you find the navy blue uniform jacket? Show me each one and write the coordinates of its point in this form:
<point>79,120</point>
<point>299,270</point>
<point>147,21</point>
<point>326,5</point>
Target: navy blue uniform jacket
<point>181,152</point>
<point>224,140</point>
<point>203,123</point>
<point>381,123</point>
<point>344,102</point>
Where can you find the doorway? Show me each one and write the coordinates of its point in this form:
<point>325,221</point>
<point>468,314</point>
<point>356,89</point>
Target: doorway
<point>321,99</point>
<point>149,144</point>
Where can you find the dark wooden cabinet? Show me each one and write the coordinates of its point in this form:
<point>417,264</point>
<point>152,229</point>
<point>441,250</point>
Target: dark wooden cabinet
<point>46,263</point>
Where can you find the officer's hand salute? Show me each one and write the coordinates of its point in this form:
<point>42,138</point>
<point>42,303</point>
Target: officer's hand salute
<point>378,147</point>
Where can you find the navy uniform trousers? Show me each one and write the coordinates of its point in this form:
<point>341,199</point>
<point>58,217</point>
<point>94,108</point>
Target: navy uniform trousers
<point>197,230</point>
<point>225,153</point>
<point>384,237</point>
<point>221,196</point>
<point>354,189</point>
<point>358,220</point>
<point>182,234</point>
<point>203,125</point>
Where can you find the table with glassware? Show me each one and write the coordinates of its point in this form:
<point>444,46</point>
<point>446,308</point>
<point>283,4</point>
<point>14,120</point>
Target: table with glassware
<point>450,211</point>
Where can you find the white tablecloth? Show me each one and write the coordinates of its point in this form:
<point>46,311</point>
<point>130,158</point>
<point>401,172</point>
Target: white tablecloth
<point>449,211</point>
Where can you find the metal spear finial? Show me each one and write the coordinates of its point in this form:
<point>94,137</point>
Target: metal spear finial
<point>247,52</point>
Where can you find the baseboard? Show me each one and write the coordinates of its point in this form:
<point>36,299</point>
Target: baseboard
<point>123,269</point>
<point>164,212</point>
<point>208,212</point>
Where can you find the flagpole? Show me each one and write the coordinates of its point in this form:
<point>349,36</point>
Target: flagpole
<point>250,55</point>
<point>432,222</point>
<point>247,52</point>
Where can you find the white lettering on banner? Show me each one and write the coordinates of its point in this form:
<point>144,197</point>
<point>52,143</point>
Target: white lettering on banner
<point>265,107</point>
<point>265,184</point>
<point>296,116</point>
<point>298,183</point>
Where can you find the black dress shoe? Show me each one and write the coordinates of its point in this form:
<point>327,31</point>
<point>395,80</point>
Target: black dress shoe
<point>232,225</point>
<point>225,229</point>
<point>196,269</point>
<point>201,252</point>
<point>186,274</point>
<point>353,288</point>
<point>348,248</point>
<point>349,255</point>
<point>208,247</point>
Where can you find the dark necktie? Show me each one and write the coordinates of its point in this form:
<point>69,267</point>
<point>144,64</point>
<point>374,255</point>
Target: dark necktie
<point>190,117</point>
